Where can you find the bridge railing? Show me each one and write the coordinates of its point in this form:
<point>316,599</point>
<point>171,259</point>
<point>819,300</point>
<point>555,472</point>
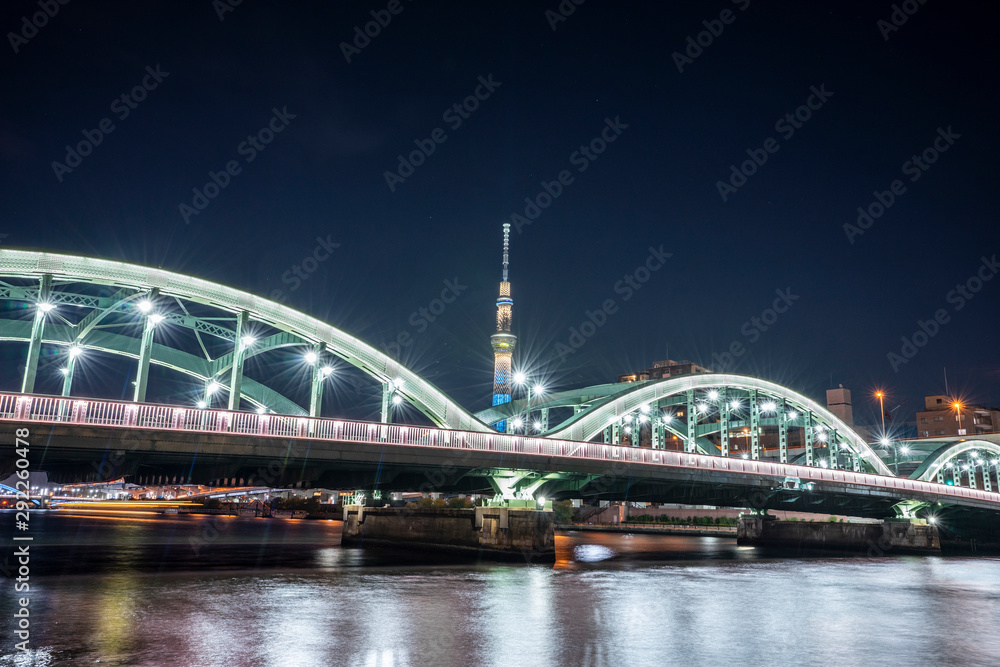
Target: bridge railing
<point>51,409</point>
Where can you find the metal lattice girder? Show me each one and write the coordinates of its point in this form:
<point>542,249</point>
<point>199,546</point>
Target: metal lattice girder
<point>239,355</point>
<point>692,421</point>
<point>35,341</point>
<point>422,394</point>
<point>833,446</point>
<point>199,324</point>
<point>724,421</point>
<point>810,434</point>
<point>161,355</point>
<point>932,467</point>
<point>754,425</point>
<point>782,431</point>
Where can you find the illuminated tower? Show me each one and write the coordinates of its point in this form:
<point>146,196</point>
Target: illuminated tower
<point>503,341</point>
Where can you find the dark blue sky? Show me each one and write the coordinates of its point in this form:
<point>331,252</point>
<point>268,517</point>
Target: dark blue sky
<point>552,92</point>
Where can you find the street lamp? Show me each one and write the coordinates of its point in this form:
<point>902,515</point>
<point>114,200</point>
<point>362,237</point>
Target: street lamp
<point>881,407</point>
<point>958,410</point>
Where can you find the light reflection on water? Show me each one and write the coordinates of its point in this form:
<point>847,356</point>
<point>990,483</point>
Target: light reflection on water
<point>610,600</point>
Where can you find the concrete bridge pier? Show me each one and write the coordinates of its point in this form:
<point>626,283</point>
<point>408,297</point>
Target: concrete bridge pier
<point>892,536</point>
<point>489,533</point>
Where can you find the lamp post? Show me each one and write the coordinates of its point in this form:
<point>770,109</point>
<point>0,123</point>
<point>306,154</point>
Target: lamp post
<point>881,408</point>
<point>958,417</point>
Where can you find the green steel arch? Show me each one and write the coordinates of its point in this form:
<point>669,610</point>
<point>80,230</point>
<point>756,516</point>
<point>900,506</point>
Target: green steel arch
<point>304,329</point>
<point>932,466</point>
<point>632,397</point>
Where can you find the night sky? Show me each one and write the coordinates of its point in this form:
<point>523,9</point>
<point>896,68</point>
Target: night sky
<point>646,126</point>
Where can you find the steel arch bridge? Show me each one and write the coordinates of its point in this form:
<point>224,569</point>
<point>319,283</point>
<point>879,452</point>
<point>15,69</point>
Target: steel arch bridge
<point>713,414</point>
<point>957,462</point>
<point>105,299</point>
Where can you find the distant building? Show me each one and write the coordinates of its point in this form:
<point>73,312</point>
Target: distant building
<point>941,417</point>
<point>664,369</point>
<point>838,401</point>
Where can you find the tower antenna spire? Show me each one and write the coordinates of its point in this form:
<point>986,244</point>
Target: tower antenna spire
<point>506,245</point>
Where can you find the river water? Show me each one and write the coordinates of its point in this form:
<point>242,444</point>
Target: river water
<point>180,590</point>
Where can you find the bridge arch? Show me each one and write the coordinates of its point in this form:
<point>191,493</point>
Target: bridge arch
<point>49,268</point>
<point>933,467</point>
<point>691,390</point>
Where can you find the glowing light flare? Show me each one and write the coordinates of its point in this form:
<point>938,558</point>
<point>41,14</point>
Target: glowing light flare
<point>311,357</point>
<point>769,406</point>
<point>713,395</point>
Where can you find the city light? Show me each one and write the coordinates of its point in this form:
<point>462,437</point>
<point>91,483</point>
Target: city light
<point>45,306</point>
<point>64,371</point>
<point>520,378</point>
<point>644,409</point>
<point>538,390</point>
<point>261,410</point>
<point>518,423</point>
<point>397,399</point>
<point>311,357</point>
<point>702,407</point>
<point>735,405</point>
<point>155,318</point>
<point>212,387</point>
<point>75,351</point>
<point>769,406</point>
<point>885,442</point>
<point>538,426</point>
<point>248,341</point>
<point>793,415</point>
<point>201,405</point>
<point>904,450</point>
<point>713,395</point>
<point>326,371</point>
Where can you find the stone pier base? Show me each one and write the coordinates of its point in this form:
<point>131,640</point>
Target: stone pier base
<point>874,539</point>
<point>495,533</point>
